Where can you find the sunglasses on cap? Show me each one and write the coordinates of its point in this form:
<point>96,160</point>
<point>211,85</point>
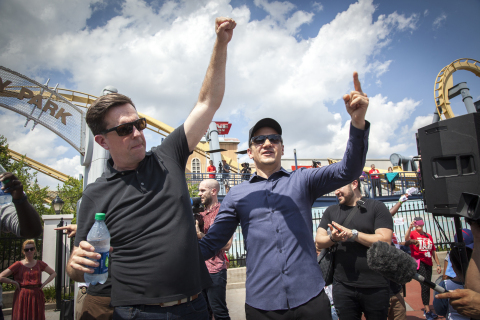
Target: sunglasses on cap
<point>29,249</point>
<point>127,128</point>
<point>273,138</point>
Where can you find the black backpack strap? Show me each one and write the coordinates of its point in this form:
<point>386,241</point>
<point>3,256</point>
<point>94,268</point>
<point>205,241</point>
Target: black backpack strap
<point>350,216</point>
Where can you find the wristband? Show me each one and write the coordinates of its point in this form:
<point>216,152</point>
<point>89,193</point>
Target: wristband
<point>20,201</point>
<point>331,239</point>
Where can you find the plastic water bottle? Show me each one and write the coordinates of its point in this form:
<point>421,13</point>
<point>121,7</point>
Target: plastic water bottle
<point>5,197</point>
<point>99,237</point>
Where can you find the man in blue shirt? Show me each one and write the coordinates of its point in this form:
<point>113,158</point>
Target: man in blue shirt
<point>274,210</point>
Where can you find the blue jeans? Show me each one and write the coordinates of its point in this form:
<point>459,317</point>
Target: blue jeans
<point>193,310</point>
<point>350,302</point>
<point>216,295</point>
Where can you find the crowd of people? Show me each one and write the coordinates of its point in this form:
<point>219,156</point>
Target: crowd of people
<point>165,265</point>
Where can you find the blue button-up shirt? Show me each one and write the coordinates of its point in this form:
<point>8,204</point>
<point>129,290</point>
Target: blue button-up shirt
<point>276,219</point>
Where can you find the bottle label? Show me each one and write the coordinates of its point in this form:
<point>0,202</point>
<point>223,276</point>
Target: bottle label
<point>104,262</point>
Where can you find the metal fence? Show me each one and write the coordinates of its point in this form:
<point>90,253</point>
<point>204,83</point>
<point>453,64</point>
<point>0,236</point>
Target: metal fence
<point>11,249</point>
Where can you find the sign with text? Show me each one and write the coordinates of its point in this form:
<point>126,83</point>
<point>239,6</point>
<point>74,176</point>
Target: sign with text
<point>44,106</point>
<point>223,127</point>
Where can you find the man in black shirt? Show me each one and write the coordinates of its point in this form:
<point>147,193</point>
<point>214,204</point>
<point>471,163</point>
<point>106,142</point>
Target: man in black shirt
<point>356,288</point>
<point>156,267</point>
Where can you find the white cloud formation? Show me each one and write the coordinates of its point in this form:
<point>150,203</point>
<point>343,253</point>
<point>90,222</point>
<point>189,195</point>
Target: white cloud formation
<point>425,13</point>
<point>317,6</point>
<point>438,22</point>
<point>158,56</point>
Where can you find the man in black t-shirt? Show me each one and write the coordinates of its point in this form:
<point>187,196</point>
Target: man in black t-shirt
<point>156,266</point>
<point>356,288</point>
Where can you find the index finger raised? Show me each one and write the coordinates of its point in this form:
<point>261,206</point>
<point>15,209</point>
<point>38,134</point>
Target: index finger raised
<point>356,82</point>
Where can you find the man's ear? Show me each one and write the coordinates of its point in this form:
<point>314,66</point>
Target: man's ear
<point>283,149</point>
<point>100,139</point>
<point>249,152</point>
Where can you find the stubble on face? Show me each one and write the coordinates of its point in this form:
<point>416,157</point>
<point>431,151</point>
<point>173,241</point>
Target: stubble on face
<point>268,154</point>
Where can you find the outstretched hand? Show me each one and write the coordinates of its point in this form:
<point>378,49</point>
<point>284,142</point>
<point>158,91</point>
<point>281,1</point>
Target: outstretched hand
<point>224,29</point>
<point>356,103</point>
<point>464,301</point>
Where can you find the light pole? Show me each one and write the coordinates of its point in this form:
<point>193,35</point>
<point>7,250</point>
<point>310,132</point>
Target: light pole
<point>58,204</point>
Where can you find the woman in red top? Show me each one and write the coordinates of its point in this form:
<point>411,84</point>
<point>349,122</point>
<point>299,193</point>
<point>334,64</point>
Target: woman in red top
<point>28,301</point>
<point>423,250</point>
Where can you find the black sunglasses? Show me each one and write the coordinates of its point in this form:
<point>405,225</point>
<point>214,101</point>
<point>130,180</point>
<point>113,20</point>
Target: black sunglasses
<point>273,138</point>
<point>127,128</point>
<point>29,249</point>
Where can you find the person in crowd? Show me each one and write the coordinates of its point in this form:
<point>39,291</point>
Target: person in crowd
<point>375,178</point>
<point>246,171</point>
<point>356,288</point>
<point>365,187</point>
<point>29,300</point>
<point>441,305</point>
<point>211,168</point>
<point>274,210</point>
<point>18,217</point>
<point>391,178</point>
<point>448,272</point>
<point>467,301</point>
<point>225,172</point>
<point>157,266</point>
<point>423,252</point>
<point>217,265</point>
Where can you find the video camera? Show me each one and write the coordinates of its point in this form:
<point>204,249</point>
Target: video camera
<point>197,207</point>
<point>316,164</point>
<point>245,165</point>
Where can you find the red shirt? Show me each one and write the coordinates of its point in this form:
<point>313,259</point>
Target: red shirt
<point>425,249</point>
<point>374,171</point>
<point>218,262</point>
<point>211,169</point>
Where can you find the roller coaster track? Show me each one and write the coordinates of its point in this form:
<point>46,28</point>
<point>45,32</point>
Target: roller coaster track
<point>39,166</point>
<point>444,81</point>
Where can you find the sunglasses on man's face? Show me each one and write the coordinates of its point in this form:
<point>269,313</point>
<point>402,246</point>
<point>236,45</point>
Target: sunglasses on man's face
<point>127,128</point>
<point>29,249</point>
<point>273,138</point>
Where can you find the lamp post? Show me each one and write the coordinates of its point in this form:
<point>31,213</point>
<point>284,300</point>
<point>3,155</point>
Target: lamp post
<point>58,205</point>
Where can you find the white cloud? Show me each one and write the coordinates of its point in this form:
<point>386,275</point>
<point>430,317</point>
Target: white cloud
<point>425,13</point>
<point>158,56</point>
<point>317,6</point>
<point>437,23</point>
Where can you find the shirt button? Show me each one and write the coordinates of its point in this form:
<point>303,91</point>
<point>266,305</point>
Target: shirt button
<point>142,183</point>
<point>280,250</point>
<point>283,271</point>
<point>278,231</point>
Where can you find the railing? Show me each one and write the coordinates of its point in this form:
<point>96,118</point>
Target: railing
<point>11,249</point>
<point>398,186</point>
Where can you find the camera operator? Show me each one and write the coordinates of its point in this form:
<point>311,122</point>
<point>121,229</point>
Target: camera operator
<point>217,266</point>
<point>246,171</point>
<point>467,301</point>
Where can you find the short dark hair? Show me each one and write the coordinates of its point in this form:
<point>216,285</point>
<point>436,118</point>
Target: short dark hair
<point>455,257</point>
<point>96,112</point>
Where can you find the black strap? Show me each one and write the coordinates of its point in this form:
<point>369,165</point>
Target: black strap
<point>350,216</point>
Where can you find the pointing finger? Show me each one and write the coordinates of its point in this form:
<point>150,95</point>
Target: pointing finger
<point>356,82</point>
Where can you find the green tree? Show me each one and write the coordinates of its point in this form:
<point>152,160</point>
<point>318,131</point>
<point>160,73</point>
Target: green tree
<point>36,194</point>
<point>71,192</point>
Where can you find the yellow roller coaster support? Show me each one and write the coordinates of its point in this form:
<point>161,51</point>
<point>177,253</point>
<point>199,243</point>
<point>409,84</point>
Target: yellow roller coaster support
<point>39,166</point>
<point>444,81</point>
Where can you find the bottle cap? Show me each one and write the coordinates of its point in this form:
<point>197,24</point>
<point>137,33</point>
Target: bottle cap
<point>100,216</point>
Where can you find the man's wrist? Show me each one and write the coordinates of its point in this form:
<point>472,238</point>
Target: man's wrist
<point>333,240</point>
<point>23,199</point>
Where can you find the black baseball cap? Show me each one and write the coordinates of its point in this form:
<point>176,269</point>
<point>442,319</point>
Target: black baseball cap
<point>265,122</point>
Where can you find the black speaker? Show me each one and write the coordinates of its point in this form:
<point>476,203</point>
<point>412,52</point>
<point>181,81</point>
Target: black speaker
<point>450,162</point>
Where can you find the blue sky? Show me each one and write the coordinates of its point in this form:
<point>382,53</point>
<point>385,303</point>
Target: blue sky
<point>292,61</point>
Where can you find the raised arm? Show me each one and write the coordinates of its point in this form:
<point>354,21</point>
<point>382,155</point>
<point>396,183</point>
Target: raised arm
<point>28,218</point>
<point>356,103</point>
<point>213,87</point>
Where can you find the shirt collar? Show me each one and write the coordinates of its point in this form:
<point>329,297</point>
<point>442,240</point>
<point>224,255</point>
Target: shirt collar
<point>255,177</point>
<point>215,207</point>
<point>111,173</point>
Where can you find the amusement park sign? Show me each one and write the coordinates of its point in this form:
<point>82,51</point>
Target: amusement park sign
<point>42,105</point>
